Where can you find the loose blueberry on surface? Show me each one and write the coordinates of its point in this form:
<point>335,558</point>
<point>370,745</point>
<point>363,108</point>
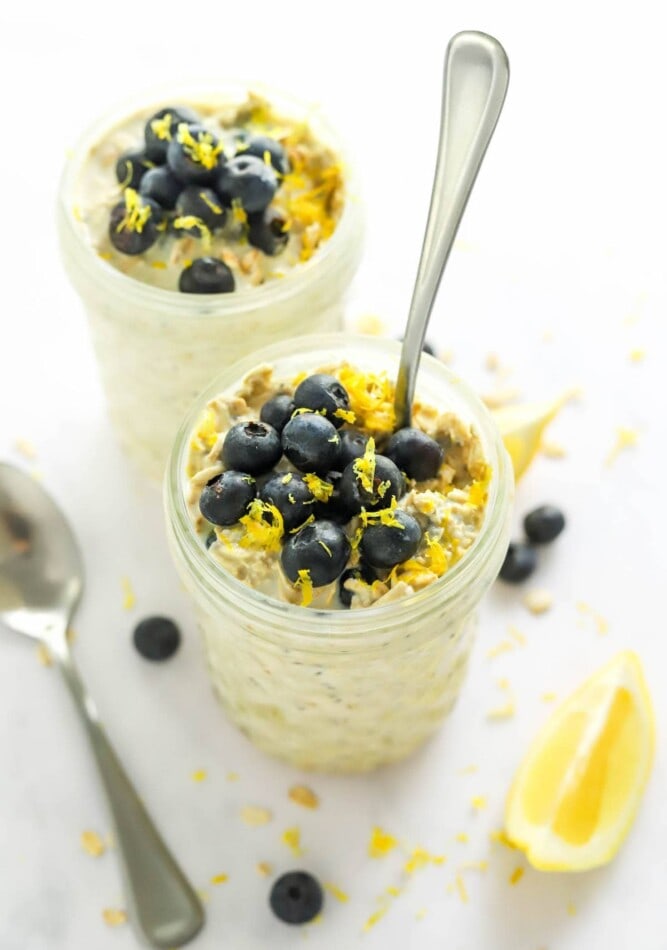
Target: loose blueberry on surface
<point>354,496</point>
<point>259,145</point>
<point>206,275</point>
<point>311,442</point>
<point>249,180</point>
<point>362,572</point>
<point>322,392</point>
<point>321,548</point>
<point>415,453</point>
<point>268,230</point>
<point>201,203</point>
<point>544,524</point>
<point>384,546</point>
<point>277,411</point>
<point>252,447</point>
<point>160,185</point>
<point>293,499</point>
<point>296,897</point>
<point>225,499</point>
<point>128,239</point>
<point>156,145</point>
<point>131,168</point>
<point>352,446</point>
<point>520,562</point>
<point>199,164</point>
<point>156,638</point>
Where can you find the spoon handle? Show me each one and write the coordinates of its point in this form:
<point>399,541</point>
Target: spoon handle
<point>162,905</point>
<point>474,87</point>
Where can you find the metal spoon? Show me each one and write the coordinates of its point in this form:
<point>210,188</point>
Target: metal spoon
<point>474,87</point>
<point>41,581</point>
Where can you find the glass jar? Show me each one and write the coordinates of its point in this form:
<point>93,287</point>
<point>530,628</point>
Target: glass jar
<point>341,690</point>
<point>156,348</point>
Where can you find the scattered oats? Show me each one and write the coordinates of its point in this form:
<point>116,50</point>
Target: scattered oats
<point>254,815</point>
<point>302,795</point>
<point>501,397</point>
<point>292,838</point>
<point>553,450</point>
<point>468,770</point>
<point>516,875</point>
<point>637,355</point>
<point>337,893</point>
<point>571,909</point>
<point>516,634</point>
<point>26,449</point>
<point>199,776</point>
<point>538,601</point>
<point>129,599</point>
<point>232,776</point>
<point>114,917</point>
<point>478,802</point>
<point>625,439</point>
<point>219,878</point>
<point>462,837</point>
<point>381,843</point>
<point>374,918</point>
<point>44,655</point>
<point>264,868</point>
<point>92,844</point>
<point>370,325</point>
<point>502,712</point>
<point>549,697</point>
<point>505,646</point>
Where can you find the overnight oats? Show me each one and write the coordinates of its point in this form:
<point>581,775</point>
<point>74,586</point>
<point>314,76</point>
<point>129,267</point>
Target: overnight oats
<point>196,229</point>
<point>335,565</point>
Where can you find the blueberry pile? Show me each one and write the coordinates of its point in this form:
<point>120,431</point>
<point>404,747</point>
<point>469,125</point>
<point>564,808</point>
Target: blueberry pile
<point>541,526</point>
<point>336,476</point>
<point>183,181</point>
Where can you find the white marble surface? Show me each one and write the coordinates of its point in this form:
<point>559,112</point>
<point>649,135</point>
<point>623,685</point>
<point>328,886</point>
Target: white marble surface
<point>559,270</point>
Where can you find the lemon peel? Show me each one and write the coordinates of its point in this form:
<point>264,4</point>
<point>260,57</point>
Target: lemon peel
<point>576,794</point>
<point>522,428</point>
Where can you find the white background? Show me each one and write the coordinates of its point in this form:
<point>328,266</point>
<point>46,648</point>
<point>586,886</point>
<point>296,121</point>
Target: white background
<point>559,269</point>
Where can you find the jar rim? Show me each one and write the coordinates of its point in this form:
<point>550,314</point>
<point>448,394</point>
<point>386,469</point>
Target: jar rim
<point>343,242</point>
<point>340,624</point>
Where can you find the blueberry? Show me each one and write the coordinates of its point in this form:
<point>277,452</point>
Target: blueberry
<point>260,146</point>
<point>161,128</point>
<point>251,447</point>
<point>268,230</point>
<point>206,275</point>
<point>195,155</point>
<point>321,548</point>
<point>388,483</point>
<point>131,168</point>
<point>362,572</point>
<point>323,392</point>
<point>211,538</point>
<point>277,411</point>
<point>289,493</point>
<point>225,499</point>
<point>156,638</point>
<point>248,180</point>
<point>296,897</point>
<point>134,223</point>
<point>352,446</point>
<point>544,524</point>
<point>311,442</point>
<point>384,545</point>
<point>520,562</point>
<point>195,201</point>
<point>415,453</point>
<point>160,185</point>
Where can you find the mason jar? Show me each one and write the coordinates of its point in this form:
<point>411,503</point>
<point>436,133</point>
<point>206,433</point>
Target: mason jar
<point>157,348</point>
<point>340,690</point>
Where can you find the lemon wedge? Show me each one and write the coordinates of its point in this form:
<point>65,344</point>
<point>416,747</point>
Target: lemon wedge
<point>576,793</point>
<point>522,428</point>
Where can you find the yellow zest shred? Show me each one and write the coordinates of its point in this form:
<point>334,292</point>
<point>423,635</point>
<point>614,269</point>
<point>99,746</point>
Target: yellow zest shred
<point>161,128</point>
<point>304,583</point>
<point>462,837</point>
<point>479,490</point>
<point>292,838</point>
<point>337,893</point>
<point>371,398</point>
<point>625,439</point>
<point>159,265</point>
<point>129,598</point>
<point>516,875</point>
<point>187,221</point>
<point>385,516</point>
<point>420,858</point>
<point>374,918</point>
<point>381,843</point>
<point>320,489</point>
<point>219,878</point>
<point>263,868</point>
<point>44,655</point>
<point>286,479</point>
<point>199,776</point>
<point>136,212</point>
<point>461,888</point>
<point>238,211</point>
<point>500,837</point>
<point>206,432</point>
<point>393,891</point>
<point>325,547</point>
<point>346,415</point>
<point>299,527</point>
<point>202,149</point>
<point>262,533</point>
<point>478,802</point>
<point>216,209</point>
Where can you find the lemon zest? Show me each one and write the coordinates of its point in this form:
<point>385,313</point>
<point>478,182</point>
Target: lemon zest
<point>346,415</point>
<point>216,209</point>
<point>238,211</point>
<point>385,516</point>
<point>321,490</point>
<point>202,149</point>
<point>161,128</point>
<point>299,527</point>
<point>381,843</point>
<point>207,432</point>
<point>261,533</point>
<point>286,479</point>
<point>136,212</point>
<point>186,222</point>
<point>304,583</point>
<point>322,544</point>
<point>371,398</point>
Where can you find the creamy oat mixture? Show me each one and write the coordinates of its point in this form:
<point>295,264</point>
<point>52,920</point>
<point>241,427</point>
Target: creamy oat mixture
<point>449,508</point>
<point>309,200</point>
